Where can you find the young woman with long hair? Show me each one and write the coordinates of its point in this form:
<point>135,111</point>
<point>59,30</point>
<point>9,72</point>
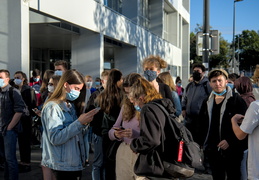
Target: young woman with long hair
<point>109,101</point>
<point>62,139</point>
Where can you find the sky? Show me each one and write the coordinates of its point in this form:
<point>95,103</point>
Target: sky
<point>221,16</point>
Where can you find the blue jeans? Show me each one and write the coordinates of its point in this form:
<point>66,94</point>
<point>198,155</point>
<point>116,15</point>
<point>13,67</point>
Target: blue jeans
<point>98,170</point>
<point>8,148</point>
<point>86,141</point>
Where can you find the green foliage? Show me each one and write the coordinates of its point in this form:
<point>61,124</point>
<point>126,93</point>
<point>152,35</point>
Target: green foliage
<point>248,48</point>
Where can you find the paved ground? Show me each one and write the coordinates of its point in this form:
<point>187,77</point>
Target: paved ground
<point>36,173</point>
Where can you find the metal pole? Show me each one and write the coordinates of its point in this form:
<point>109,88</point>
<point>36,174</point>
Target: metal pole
<point>206,33</point>
<point>233,42</point>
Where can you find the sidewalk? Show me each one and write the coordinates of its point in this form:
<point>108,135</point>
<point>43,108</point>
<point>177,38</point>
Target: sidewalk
<point>36,173</point>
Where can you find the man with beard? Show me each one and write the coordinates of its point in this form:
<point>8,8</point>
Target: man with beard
<point>193,96</point>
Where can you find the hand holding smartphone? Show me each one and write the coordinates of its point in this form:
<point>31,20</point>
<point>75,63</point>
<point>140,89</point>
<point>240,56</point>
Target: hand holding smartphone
<point>118,128</point>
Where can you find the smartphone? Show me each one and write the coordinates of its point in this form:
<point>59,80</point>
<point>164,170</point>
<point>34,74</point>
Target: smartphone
<point>119,128</point>
<point>97,109</point>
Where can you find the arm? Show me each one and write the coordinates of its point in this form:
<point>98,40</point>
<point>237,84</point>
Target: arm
<point>59,128</point>
<point>177,103</point>
<point>116,125</point>
<point>150,133</point>
<point>238,132</point>
<point>19,107</point>
<point>16,118</point>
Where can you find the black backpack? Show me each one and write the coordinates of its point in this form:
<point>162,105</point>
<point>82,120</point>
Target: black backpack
<point>176,133</point>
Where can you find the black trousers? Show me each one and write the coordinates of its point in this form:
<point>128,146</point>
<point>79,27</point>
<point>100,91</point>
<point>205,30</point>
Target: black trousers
<point>24,139</point>
<point>71,175</point>
<point>225,166</point>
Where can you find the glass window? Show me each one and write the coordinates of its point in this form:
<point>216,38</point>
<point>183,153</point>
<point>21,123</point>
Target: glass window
<point>144,13</point>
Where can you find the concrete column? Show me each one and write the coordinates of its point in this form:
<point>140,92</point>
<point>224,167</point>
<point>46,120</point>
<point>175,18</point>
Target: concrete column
<point>87,53</point>
<point>14,36</point>
<point>126,60</point>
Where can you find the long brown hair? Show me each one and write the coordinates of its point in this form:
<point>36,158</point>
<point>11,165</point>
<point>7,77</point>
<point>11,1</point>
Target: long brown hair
<point>111,96</point>
<point>168,80</point>
<point>128,108</point>
<point>47,75</point>
<point>143,88</point>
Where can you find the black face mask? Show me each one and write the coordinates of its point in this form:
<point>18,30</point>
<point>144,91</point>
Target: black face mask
<point>196,76</point>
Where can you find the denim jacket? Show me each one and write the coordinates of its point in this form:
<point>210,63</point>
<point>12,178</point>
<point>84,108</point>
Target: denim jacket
<point>62,139</point>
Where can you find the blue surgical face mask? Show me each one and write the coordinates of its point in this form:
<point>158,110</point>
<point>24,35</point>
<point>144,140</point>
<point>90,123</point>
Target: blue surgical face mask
<point>230,85</point>
<point>17,81</point>
<point>2,83</point>
<point>150,75</point>
<point>72,95</point>
<point>137,108</point>
<point>36,79</point>
<point>58,73</point>
<point>179,84</point>
<point>97,83</point>
<point>219,94</point>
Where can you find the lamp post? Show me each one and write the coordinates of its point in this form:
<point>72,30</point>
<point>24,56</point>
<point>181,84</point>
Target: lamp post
<point>233,42</point>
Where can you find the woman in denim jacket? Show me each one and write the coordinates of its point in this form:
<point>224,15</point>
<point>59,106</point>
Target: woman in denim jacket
<point>62,140</point>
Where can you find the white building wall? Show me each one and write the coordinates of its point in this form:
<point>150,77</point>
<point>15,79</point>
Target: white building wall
<point>14,36</point>
<point>100,19</point>
<point>87,53</point>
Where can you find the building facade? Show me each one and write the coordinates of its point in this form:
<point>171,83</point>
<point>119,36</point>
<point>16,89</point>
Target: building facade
<point>93,35</point>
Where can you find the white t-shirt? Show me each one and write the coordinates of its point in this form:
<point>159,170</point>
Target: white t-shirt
<point>250,125</point>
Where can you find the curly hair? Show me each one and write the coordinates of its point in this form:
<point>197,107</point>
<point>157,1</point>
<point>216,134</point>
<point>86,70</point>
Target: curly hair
<point>156,61</point>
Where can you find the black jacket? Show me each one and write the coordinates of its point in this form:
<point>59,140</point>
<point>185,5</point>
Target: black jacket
<point>96,124</point>
<point>148,144</point>
<point>234,105</point>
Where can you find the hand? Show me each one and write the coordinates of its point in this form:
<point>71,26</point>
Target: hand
<point>238,118</point>
<point>123,133</point>
<point>86,118</point>
<point>223,145</point>
<point>37,112</point>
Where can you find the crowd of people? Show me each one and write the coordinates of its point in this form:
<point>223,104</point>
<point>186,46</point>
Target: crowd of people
<point>78,115</point>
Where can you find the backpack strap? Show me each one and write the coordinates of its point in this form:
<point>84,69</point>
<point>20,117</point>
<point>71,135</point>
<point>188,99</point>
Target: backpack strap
<point>11,94</point>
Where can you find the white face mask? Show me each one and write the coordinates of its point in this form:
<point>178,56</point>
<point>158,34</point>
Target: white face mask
<point>50,89</point>
<point>17,81</point>
<point>89,84</point>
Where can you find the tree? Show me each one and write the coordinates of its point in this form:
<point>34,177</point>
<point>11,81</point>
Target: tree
<point>248,48</point>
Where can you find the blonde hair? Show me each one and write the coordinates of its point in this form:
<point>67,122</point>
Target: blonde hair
<point>143,88</point>
<point>156,61</point>
<point>71,77</point>
<point>168,80</point>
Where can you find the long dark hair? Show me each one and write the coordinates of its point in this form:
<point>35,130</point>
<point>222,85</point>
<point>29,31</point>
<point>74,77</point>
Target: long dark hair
<point>112,95</point>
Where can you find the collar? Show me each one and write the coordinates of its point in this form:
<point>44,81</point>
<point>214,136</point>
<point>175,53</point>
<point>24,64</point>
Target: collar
<point>6,88</point>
